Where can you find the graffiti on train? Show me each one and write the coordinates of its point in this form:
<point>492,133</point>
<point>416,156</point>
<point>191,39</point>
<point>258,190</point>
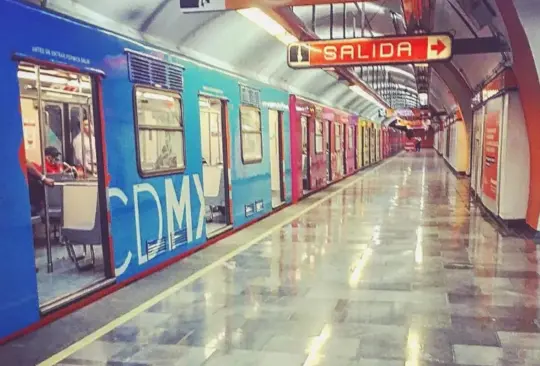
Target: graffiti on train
<point>176,230</point>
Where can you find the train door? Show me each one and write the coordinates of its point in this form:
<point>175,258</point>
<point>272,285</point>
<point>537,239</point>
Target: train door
<point>358,147</point>
<point>366,145</point>
<point>329,152</point>
<point>378,145</point>
<point>338,163</point>
<point>346,146</point>
<point>275,119</point>
<point>306,156</point>
<point>215,159</point>
<point>372,147</point>
<point>66,182</point>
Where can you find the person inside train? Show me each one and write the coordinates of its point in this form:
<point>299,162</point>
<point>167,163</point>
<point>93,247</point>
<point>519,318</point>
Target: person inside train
<point>36,180</point>
<point>84,148</point>
<point>53,164</point>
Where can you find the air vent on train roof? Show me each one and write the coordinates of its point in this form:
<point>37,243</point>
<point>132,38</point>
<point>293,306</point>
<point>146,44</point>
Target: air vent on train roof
<point>144,69</point>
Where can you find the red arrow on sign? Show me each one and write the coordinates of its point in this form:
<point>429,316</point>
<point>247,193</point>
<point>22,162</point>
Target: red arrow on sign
<point>439,47</point>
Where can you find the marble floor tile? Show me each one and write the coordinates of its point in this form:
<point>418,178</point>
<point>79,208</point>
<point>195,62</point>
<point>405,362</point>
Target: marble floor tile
<point>399,268</point>
<point>478,355</point>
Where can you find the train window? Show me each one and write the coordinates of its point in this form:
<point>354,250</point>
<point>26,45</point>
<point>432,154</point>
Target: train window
<point>338,136</point>
<point>351,137</point>
<point>319,137</point>
<point>304,122</point>
<point>61,92</point>
<point>160,131</point>
<point>251,131</point>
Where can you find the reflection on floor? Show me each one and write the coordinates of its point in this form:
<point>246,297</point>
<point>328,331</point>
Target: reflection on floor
<point>65,278</point>
<point>397,269</point>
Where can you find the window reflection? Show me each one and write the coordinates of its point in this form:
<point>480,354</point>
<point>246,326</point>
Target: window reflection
<point>250,122</point>
<point>160,130</point>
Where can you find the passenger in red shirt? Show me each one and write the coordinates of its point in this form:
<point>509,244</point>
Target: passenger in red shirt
<point>53,165</point>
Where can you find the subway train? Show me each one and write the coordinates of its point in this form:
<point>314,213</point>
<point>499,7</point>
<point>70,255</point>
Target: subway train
<point>142,157</point>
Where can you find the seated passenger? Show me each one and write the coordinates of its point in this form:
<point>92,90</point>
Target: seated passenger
<point>53,164</point>
<point>35,187</point>
<point>84,148</point>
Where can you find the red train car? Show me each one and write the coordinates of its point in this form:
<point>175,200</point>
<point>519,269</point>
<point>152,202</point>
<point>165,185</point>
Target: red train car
<point>308,140</point>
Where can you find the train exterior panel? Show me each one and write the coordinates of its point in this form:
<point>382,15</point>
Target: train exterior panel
<point>147,217</point>
<point>151,218</point>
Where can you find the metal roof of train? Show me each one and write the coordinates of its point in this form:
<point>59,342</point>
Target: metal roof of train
<point>231,42</point>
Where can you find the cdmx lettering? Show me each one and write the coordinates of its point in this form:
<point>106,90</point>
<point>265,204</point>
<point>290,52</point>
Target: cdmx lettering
<point>177,211</point>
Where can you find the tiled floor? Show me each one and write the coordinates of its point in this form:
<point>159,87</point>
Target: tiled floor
<point>397,269</point>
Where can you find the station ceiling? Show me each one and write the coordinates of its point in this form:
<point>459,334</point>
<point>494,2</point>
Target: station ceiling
<point>233,42</point>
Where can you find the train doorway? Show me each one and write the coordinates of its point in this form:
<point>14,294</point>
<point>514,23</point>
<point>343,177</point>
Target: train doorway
<point>306,156</point>
<point>215,160</point>
<point>366,150</point>
<point>66,182</point>
<point>275,119</point>
<point>340,149</point>
<point>329,152</point>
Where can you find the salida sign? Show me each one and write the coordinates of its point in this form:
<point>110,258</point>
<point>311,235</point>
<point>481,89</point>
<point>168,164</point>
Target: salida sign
<point>370,51</point>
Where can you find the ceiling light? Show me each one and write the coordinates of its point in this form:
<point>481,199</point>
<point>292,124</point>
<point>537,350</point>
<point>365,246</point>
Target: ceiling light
<point>272,27</point>
<point>400,71</point>
<point>423,98</point>
<point>358,90</point>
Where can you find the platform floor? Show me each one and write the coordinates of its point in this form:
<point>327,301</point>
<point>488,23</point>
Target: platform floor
<point>393,266</point>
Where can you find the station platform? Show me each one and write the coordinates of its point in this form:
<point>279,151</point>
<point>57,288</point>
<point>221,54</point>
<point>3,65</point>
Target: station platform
<point>393,266</point>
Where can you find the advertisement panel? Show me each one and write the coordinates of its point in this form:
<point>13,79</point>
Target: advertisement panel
<point>491,153</point>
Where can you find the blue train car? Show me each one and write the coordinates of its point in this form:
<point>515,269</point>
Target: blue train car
<point>119,158</point>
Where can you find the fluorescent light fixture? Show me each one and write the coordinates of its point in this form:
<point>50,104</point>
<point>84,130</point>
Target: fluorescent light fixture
<point>272,27</point>
<point>400,71</point>
<point>399,86</point>
<point>423,98</point>
<point>395,70</point>
<point>358,90</point>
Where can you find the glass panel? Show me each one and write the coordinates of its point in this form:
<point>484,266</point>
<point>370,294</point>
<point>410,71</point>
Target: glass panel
<point>251,146</point>
<point>205,136</point>
<point>215,139</point>
<point>319,137</point>
<point>338,136</point>
<point>53,119</point>
<point>304,122</point>
<point>161,138</point>
<point>250,121</point>
<point>160,150</point>
<point>158,109</point>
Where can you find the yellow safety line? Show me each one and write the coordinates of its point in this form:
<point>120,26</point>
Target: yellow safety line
<point>66,352</point>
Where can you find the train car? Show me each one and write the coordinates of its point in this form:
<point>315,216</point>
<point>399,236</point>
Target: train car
<point>350,148</point>
<point>308,140</point>
<point>158,154</point>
